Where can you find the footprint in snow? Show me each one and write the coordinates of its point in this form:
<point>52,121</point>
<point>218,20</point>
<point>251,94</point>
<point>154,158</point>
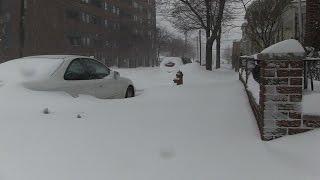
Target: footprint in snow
<point>80,115</point>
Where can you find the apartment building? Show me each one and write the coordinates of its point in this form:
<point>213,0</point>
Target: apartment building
<point>116,32</point>
<point>312,36</point>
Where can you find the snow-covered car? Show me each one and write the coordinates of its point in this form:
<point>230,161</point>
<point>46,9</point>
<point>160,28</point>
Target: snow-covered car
<point>68,73</point>
<point>170,64</point>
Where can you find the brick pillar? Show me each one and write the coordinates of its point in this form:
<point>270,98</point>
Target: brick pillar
<point>312,37</point>
<point>281,96</point>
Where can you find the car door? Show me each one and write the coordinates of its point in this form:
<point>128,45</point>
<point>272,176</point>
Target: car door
<point>105,85</point>
<point>76,79</point>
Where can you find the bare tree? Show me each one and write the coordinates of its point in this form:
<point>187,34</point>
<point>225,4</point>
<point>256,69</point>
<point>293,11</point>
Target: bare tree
<point>227,18</point>
<point>188,15</point>
<point>263,17</point>
<point>162,38</point>
<point>172,45</point>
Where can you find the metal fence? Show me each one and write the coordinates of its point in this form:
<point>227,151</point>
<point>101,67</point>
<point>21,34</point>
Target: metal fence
<point>247,65</point>
<point>311,72</point>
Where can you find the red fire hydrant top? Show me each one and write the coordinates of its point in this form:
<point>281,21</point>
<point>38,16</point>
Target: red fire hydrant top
<point>179,78</point>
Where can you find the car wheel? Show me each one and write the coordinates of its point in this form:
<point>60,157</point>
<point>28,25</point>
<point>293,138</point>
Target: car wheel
<point>130,92</point>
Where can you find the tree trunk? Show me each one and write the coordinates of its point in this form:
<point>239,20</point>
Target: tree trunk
<point>208,51</point>
<point>218,49</point>
<point>209,45</point>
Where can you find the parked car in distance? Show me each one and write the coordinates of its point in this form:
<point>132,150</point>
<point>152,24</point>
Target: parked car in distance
<point>69,73</point>
<point>170,64</point>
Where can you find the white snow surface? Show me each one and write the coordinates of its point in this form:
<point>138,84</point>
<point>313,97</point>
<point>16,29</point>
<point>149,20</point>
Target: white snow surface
<point>284,47</point>
<point>202,130</point>
<point>254,88</point>
<point>310,104</point>
<point>311,100</point>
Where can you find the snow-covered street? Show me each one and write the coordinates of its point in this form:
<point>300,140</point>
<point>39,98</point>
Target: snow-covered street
<point>203,130</point>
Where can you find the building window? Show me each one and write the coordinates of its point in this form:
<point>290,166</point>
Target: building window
<point>25,4</point>
<point>114,9</point>
<point>97,3</point>
<point>106,23</point>
<point>106,6</point>
<point>86,41</point>
<point>135,18</point>
<point>98,42</point>
<point>116,26</point>
<point>85,17</point>
<point>107,43</point>
<point>135,4</point>
<point>84,1</point>
<point>118,11</point>
<point>95,20</point>
<point>74,40</point>
<point>72,14</point>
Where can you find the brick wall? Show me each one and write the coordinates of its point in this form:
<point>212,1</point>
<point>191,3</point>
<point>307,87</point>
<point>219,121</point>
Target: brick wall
<point>281,96</point>
<point>312,37</point>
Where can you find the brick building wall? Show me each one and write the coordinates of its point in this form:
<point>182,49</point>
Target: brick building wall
<point>105,29</point>
<point>312,37</point>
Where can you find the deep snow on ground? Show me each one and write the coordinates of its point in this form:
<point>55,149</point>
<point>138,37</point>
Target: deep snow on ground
<point>311,100</point>
<point>202,130</point>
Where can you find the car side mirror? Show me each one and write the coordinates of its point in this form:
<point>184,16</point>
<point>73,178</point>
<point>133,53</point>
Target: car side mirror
<point>116,74</point>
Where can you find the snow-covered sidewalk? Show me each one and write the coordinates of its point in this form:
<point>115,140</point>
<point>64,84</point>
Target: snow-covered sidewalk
<point>203,130</point>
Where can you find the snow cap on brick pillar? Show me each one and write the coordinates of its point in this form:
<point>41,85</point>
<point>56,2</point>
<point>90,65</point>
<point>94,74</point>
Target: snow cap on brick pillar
<point>281,88</point>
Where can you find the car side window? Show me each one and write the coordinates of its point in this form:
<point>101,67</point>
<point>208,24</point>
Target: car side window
<point>96,70</point>
<point>76,71</point>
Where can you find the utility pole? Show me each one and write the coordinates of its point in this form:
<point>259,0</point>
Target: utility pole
<point>22,27</point>
<point>196,39</point>
<point>300,21</point>
<point>185,43</point>
<point>200,47</point>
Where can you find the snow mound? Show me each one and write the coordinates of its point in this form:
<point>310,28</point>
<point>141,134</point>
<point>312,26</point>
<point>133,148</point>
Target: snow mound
<point>26,69</point>
<point>309,104</point>
<point>191,67</point>
<point>291,46</point>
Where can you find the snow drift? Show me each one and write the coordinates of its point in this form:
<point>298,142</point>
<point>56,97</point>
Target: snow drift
<point>290,46</point>
<point>202,130</point>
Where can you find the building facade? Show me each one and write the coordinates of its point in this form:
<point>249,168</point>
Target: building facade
<point>312,36</point>
<point>116,32</point>
<point>289,23</point>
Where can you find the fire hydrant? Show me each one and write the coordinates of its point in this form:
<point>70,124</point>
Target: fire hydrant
<point>179,78</point>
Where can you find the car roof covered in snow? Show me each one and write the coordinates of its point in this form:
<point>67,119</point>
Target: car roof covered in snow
<point>55,57</point>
